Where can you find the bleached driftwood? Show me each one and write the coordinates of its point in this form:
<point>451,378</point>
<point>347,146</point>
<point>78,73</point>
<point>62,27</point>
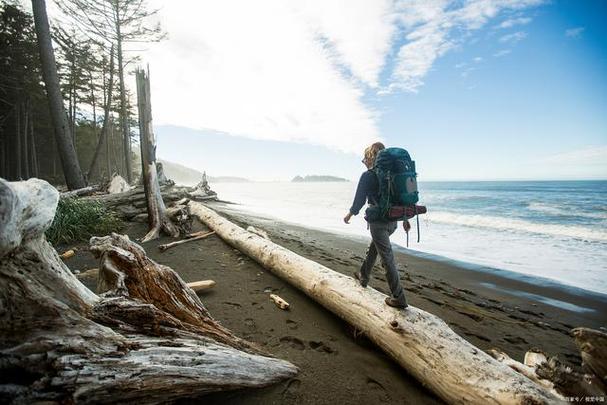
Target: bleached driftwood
<point>180,215</point>
<point>421,343</point>
<point>280,303</point>
<point>202,191</point>
<point>148,339</point>
<point>132,203</point>
<point>552,374</point>
<point>527,371</point>
<point>118,185</point>
<point>534,358</point>
<point>157,217</point>
<point>201,285</point>
<point>589,382</point>
<point>190,238</point>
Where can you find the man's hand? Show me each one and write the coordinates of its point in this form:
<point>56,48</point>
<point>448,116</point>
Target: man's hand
<point>406,225</point>
<point>348,217</point>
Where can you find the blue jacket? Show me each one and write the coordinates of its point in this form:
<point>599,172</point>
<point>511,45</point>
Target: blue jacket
<point>366,191</point>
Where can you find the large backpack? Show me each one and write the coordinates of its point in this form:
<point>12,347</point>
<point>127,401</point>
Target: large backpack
<point>397,179</point>
<point>398,193</point>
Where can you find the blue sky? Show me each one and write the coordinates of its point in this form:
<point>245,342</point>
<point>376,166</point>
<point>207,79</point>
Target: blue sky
<point>480,89</point>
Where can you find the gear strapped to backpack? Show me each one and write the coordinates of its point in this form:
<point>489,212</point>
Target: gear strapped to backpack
<point>398,195</point>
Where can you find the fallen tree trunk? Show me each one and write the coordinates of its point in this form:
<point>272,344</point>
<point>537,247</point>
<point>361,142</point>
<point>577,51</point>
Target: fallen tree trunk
<point>420,342</point>
<point>148,339</point>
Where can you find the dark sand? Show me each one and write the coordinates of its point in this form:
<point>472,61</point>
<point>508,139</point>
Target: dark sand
<point>336,365</point>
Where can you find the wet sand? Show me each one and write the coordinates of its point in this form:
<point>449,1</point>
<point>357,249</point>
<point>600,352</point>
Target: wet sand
<point>337,365</point>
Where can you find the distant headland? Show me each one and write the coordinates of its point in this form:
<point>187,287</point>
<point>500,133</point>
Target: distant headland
<point>316,178</point>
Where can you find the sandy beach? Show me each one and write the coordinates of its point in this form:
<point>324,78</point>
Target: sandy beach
<point>337,365</point>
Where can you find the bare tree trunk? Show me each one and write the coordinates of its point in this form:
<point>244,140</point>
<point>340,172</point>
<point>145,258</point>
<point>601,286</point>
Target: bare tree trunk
<point>69,159</point>
<point>147,339</point>
<point>157,217</point>
<point>24,133</point>
<point>18,146</point>
<point>34,156</point>
<point>123,114</point>
<point>73,123</point>
<point>110,147</point>
<point>3,162</point>
<point>106,117</point>
<point>93,101</point>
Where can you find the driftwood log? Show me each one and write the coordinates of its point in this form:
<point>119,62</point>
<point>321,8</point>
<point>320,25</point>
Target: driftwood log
<point>157,216</point>
<point>148,339</point>
<point>189,238</point>
<point>590,382</point>
<point>420,342</point>
<point>201,285</point>
<point>202,191</point>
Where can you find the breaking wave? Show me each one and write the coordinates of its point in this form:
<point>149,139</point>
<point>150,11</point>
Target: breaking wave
<point>513,224</point>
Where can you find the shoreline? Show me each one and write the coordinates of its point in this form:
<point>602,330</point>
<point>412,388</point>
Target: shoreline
<point>586,300</point>
<point>487,308</point>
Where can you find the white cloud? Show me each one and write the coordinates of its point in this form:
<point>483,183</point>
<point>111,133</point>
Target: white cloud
<point>514,37</point>
<point>435,27</point>
<point>359,32</point>
<point>511,22</point>
<point>298,71</point>
<point>478,59</point>
<point>259,69</point>
<point>574,32</point>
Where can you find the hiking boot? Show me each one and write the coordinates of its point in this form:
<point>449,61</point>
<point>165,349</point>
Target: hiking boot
<point>393,302</point>
<point>357,276</point>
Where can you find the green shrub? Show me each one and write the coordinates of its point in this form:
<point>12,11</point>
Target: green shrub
<point>78,220</point>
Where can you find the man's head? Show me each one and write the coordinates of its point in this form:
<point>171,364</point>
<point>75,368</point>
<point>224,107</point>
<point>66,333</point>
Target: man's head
<point>371,153</point>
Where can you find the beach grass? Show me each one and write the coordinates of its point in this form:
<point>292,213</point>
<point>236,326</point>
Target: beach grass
<point>78,220</point>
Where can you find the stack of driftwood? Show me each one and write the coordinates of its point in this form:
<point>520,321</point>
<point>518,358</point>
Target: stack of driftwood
<point>146,338</point>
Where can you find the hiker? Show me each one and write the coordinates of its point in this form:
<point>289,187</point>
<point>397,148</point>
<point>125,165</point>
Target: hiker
<point>381,229</point>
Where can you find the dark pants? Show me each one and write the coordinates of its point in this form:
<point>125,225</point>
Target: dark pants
<point>380,244</point>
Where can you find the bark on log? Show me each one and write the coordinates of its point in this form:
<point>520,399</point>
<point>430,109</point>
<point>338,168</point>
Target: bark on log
<point>148,339</point>
<point>421,343</point>
<point>157,217</point>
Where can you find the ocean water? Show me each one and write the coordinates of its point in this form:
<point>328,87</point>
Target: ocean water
<point>556,230</point>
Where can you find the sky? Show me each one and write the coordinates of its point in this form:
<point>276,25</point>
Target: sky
<point>474,90</point>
